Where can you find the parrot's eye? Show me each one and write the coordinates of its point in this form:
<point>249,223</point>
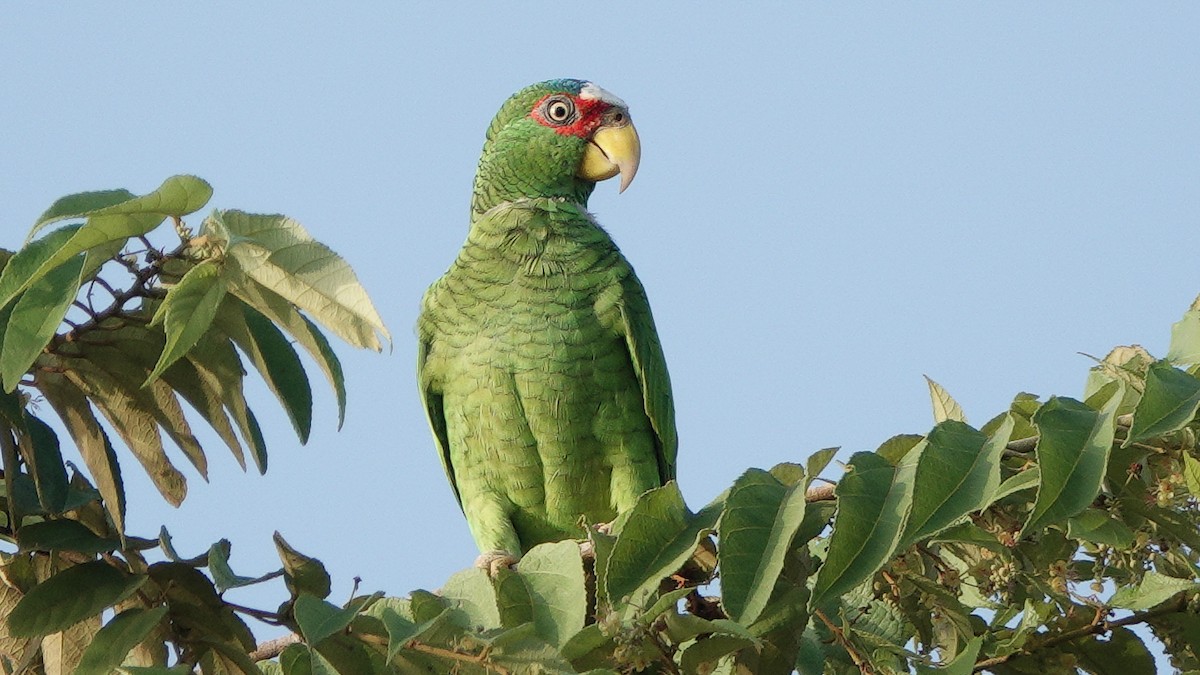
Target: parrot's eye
<point>559,110</point>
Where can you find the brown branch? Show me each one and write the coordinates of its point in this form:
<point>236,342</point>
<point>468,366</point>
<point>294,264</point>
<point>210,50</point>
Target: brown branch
<point>272,648</point>
<point>864,665</point>
<point>477,659</point>
<point>1098,626</point>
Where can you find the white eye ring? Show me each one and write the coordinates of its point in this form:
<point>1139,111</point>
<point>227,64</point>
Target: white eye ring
<point>559,110</point>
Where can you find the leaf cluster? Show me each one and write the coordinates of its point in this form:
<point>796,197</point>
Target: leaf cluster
<point>1030,544</point>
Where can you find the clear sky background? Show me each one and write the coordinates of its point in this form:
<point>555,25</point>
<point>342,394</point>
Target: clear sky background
<point>833,200</point>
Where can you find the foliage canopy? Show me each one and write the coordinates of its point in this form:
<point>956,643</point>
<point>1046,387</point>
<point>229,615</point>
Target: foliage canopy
<point>1029,544</point>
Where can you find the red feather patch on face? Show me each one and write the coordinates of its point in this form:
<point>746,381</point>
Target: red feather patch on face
<point>589,116</point>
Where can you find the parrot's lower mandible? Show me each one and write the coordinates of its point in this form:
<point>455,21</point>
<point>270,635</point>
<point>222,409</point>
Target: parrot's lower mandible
<point>539,364</point>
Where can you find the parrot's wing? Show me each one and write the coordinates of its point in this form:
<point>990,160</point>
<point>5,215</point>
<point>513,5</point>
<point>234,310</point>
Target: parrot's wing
<point>437,417</point>
<point>646,353</point>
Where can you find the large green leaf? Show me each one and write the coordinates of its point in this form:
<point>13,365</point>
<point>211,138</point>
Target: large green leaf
<point>17,272</point>
<point>63,535</point>
<point>1185,339</point>
<point>126,353</point>
<point>306,334</point>
<point>278,253</point>
<point>132,422</point>
<point>761,518</point>
<point>474,598</point>
<point>177,196</point>
<point>114,641</point>
<point>81,204</point>
<point>35,317</point>
<point>1154,589</point>
<point>275,360</point>
<point>45,462</point>
<point>188,312</point>
<point>1169,402</point>
<point>319,619</point>
<point>1123,653</point>
<point>69,597</point>
<point>127,360</point>
<point>76,414</point>
<point>553,575</point>
<point>217,364</point>
<point>872,507</point>
<point>956,472</point>
<point>658,536</point>
<point>1072,451</point>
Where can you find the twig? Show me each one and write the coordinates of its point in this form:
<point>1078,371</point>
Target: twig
<point>260,614</point>
<point>477,659</point>
<point>1097,626</point>
<point>864,666</point>
<point>272,648</point>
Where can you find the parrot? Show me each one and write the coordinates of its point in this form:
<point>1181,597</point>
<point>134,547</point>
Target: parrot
<point>539,365</point>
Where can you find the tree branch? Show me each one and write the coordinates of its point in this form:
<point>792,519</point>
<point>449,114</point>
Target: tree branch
<point>1098,626</point>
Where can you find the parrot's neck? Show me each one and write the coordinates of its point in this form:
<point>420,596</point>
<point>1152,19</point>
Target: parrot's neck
<point>509,176</point>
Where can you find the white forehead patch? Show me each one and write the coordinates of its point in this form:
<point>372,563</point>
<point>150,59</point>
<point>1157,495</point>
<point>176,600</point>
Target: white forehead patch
<point>592,92</point>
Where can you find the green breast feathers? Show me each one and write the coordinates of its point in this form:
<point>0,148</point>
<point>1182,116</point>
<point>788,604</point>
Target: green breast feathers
<point>539,364</point>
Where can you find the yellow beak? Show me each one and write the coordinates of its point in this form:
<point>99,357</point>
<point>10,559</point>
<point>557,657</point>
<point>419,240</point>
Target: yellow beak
<point>613,149</point>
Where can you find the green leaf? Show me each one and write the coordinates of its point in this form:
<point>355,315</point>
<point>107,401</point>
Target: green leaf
<point>816,462</point>
<point>217,365</point>
<point>302,573</point>
<point>553,575</point>
<point>955,473</point>
<point>1123,653</point>
<point>132,421</point>
<point>1185,339</point>
<point>1169,402</point>
<point>1023,480</point>
<point>1099,527</point>
<point>73,409</point>
<point>188,312</point>
<point>1154,589</point>
<point>46,466</point>
<point>278,253</point>
<point>69,597</point>
<point>944,405</point>
<point>177,196</point>
<point>17,274</point>
<point>897,447</point>
<point>319,619</point>
<point>63,535</point>
<point>871,512</point>
<point>35,317</point>
<point>473,596</point>
<point>218,566</point>
<point>81,204</point>
<point>117,638</point>
<point>962,664</point>
<point>124,362</point>
<point>756,531</point>
<point>274,358</point>
<point>657,538</point>
<point>1072,451</point>
<point>1191,474</point>
<point>306,334</point>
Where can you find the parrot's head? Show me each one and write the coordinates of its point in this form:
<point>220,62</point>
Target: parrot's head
<point>556,139</point>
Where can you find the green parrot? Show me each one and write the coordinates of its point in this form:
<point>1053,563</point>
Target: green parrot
<point>539,364</point>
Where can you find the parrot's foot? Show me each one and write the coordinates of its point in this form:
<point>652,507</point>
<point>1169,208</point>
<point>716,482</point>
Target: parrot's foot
<point>494,561</point>
<point>604,528</point>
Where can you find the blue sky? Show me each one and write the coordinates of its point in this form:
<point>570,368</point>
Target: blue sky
<point>834,199</point>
